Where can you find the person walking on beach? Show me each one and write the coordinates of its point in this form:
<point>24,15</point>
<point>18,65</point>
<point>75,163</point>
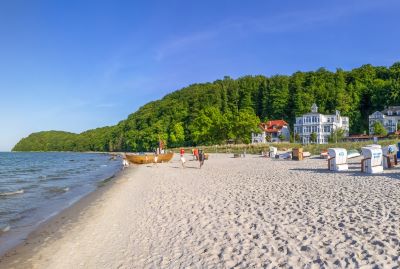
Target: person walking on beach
<point>201,157</point>
<point>182,152</point>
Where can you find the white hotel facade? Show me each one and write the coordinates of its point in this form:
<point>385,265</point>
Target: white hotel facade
<point>321,125</point>
<point>389,118</point>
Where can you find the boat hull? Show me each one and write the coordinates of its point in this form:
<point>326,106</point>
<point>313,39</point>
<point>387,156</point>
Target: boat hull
<point>149,158</point>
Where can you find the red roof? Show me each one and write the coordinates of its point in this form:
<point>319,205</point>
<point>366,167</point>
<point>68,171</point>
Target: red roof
<point>273,126</point>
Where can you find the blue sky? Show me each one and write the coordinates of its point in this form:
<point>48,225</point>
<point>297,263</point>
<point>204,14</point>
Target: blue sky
<point>78,65</point>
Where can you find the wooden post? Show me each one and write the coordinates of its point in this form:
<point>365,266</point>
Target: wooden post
<point>362,163</point>
<point>329,162</point>
<point>389,160</point>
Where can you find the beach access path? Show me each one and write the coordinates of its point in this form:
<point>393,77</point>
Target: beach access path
<point>247,212</point>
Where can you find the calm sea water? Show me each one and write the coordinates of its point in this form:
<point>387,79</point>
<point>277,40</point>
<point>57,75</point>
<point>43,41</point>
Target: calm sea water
<point>35,186</point>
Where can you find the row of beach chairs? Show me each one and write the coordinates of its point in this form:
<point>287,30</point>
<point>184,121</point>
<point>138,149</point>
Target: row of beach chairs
<point>375,158</point>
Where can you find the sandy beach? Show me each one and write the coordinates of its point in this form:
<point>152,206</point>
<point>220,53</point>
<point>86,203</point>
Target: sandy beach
<point>247,212</point>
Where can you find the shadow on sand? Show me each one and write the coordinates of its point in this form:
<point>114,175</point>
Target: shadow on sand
<point>354,170</point>
<point>180,167</point>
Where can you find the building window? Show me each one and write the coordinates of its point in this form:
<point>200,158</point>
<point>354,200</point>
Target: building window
<point>390,113</point>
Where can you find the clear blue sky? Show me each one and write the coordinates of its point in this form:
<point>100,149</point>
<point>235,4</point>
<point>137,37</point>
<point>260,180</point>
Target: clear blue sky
<point>77,65</point>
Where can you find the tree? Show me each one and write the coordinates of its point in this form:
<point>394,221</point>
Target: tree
<point>201,126</point>
<point>244,123</point>
<point>211,127</point>
<point>177,134</point>
<point>379,129</point>
<point>297,137</point>
<point>313,137</point>
<point>337,135</point>
<point>268,137</point>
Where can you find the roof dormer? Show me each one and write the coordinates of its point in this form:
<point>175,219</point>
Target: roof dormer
<point>314,108</point>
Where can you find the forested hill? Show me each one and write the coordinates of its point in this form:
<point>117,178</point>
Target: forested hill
<point>212,113</point>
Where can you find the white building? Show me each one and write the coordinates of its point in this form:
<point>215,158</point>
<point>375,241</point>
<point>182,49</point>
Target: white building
<point>321,125</point>
<point>389,119</point>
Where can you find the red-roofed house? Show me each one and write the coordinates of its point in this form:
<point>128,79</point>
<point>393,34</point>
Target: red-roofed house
<point>272,130</point>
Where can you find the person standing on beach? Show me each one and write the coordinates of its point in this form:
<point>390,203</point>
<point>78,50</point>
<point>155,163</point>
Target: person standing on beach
<point>182,152</point>
<point>125,161</point>
<point>201,157</point>
<point>155,159</point>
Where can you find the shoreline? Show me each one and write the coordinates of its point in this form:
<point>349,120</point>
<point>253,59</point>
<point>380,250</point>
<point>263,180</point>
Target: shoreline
<point>247,212</point>
<point>53,223</point>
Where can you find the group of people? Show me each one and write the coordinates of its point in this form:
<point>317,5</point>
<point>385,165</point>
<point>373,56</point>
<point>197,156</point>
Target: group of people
<point>198,155</point>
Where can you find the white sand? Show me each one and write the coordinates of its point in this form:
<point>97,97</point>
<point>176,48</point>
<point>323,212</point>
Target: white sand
<point>247,212</point>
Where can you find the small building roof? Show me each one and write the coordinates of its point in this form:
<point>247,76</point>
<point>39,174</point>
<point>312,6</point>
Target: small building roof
<point>273,126</point>
<point>391,108</point>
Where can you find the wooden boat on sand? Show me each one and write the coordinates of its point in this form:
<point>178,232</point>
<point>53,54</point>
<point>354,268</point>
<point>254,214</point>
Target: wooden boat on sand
<point>149,158</point>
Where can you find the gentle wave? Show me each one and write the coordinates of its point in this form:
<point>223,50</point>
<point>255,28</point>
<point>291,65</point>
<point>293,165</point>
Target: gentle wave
<point>58,189</point>
<point>5,229</point>
<point>28,170</point>
<point>47,178</point>
<point>35,185</point>
<point>21,181</point>
<point>32,186</point>
<point>104,181</point>
<point>11,193</point>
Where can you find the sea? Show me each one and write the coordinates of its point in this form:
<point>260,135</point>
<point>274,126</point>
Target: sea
<point>36,186</point>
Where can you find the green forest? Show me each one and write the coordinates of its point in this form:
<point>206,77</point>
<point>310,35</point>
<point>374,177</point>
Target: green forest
<point>230,109</point>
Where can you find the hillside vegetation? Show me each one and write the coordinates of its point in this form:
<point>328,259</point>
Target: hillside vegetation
<point>230,109</point>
